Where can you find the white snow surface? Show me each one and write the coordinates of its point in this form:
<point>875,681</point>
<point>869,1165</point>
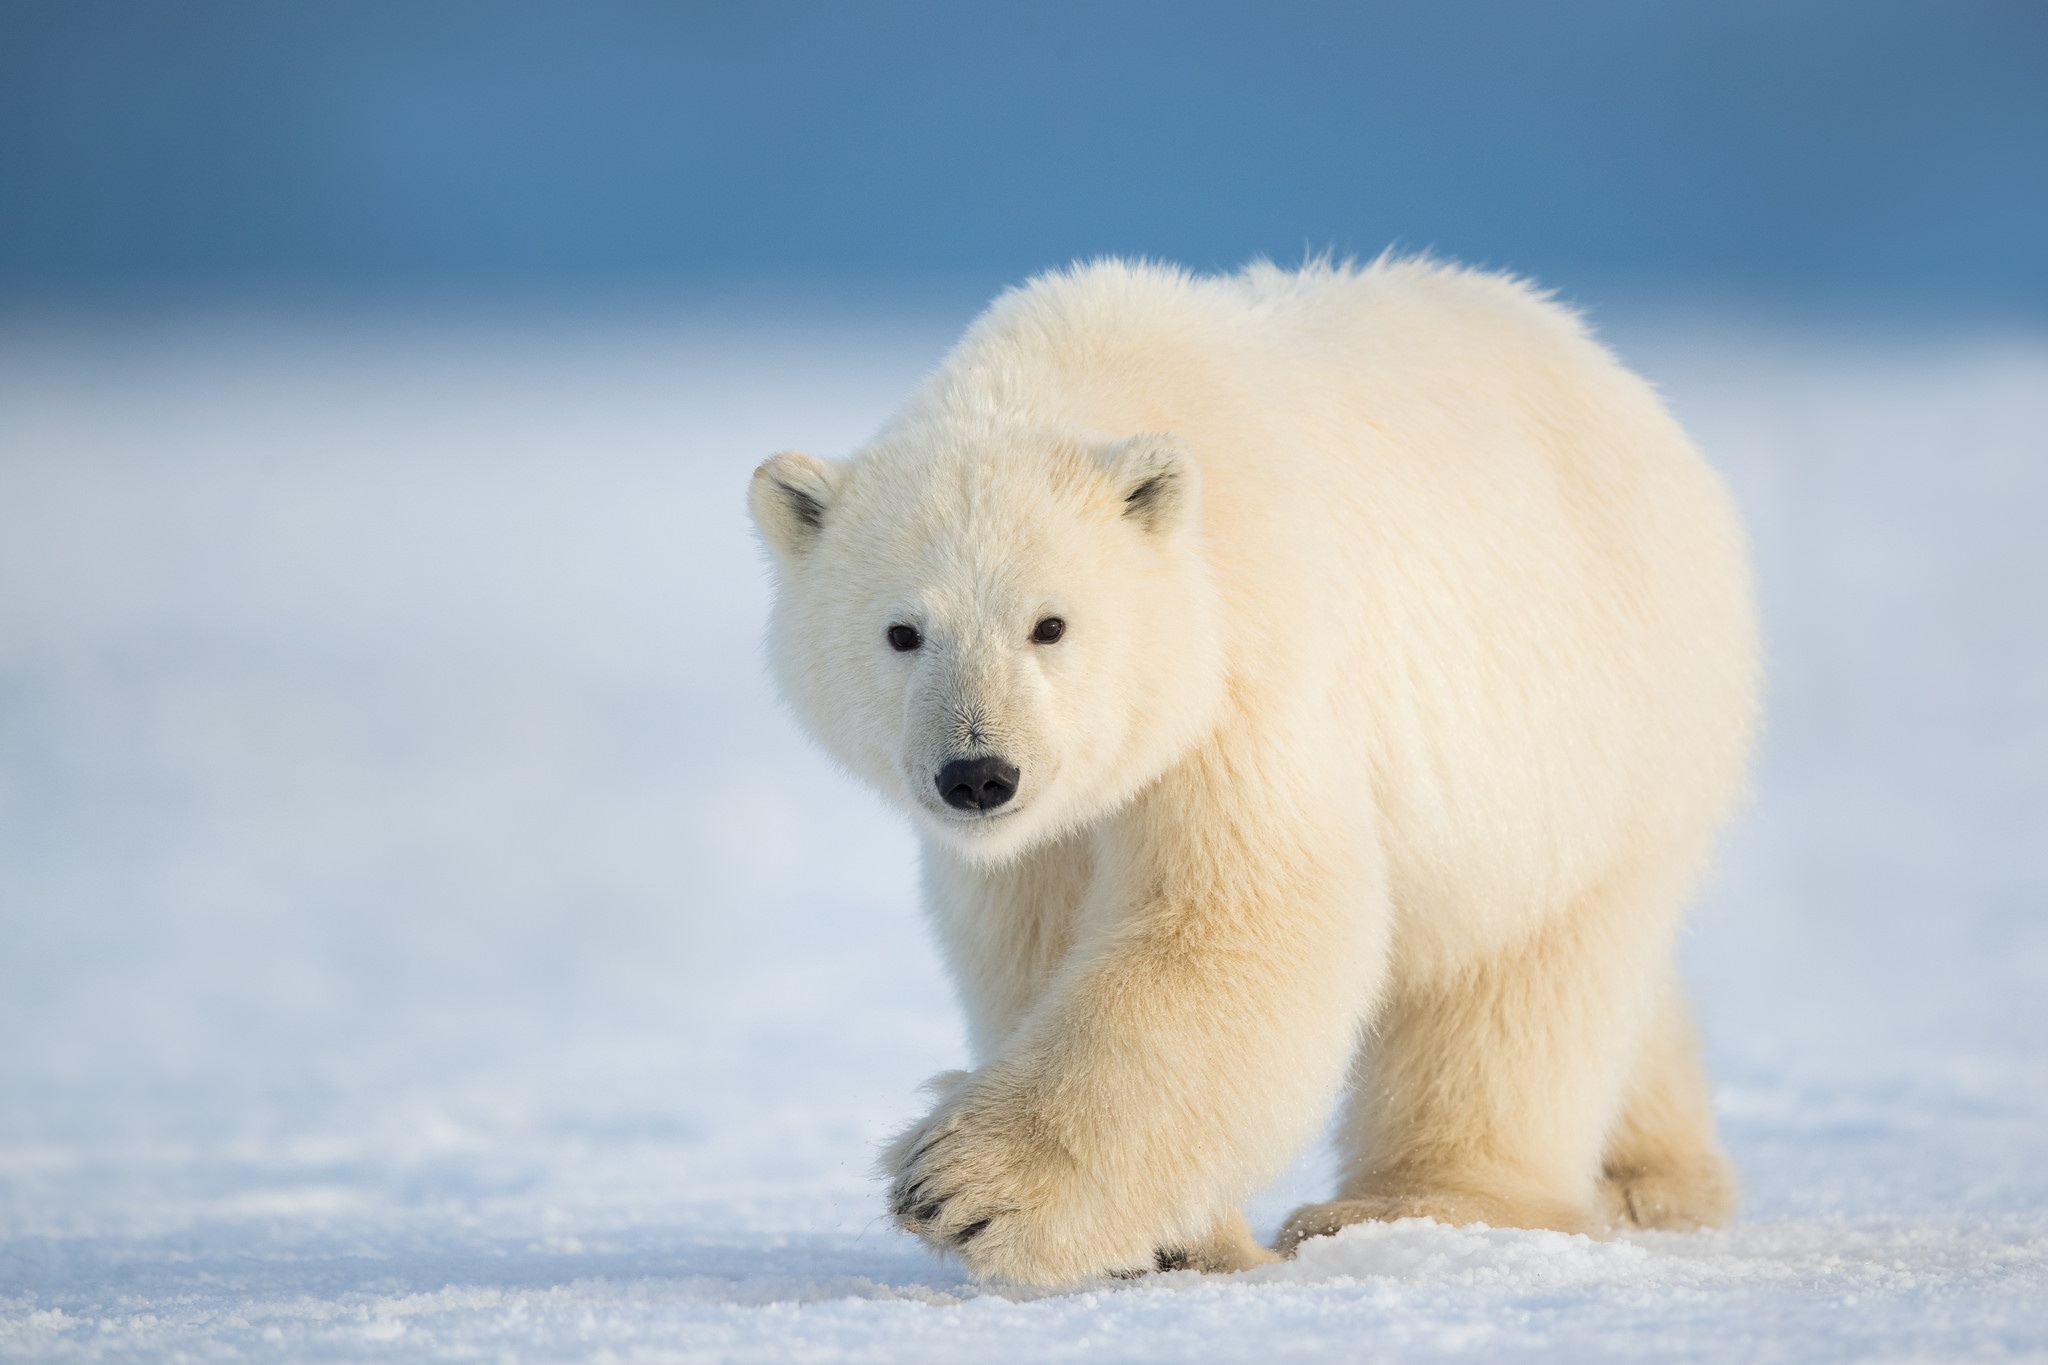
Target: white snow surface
<point>423,937</point>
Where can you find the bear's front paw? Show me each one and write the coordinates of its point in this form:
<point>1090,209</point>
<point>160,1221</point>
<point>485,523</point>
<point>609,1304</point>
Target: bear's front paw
<point>984,1178</point>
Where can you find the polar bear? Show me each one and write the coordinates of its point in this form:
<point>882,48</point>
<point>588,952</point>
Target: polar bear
<point>1302,683</point>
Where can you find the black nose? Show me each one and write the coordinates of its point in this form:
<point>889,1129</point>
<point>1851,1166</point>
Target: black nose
<point>977,783</point>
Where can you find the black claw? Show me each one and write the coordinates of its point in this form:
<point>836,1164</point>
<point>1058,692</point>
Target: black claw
<point>908,1198</point>
<point>1170,1258</point>
<point>971,1231</point>
<point>929,1211</point>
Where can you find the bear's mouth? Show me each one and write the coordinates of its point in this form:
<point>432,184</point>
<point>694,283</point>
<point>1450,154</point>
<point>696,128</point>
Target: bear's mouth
<point>973,819</point>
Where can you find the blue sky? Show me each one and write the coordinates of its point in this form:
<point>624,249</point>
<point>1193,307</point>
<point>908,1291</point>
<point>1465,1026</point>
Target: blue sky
<point>1883,154</point>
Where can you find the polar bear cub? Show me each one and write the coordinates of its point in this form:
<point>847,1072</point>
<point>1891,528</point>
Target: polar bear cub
<point>1305,684</point>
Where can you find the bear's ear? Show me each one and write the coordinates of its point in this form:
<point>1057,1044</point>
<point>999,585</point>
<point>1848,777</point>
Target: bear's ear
<point>789,498</point>
<point>1156,478</point>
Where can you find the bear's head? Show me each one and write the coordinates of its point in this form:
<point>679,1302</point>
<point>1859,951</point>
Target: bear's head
<point>1009,634</point>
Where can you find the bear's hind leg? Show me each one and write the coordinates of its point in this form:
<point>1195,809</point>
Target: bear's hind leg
<point>1486,1095</point>
<point>1663,1168</point>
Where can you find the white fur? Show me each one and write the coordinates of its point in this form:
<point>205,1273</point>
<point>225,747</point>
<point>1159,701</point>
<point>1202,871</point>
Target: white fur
<point>1393,721</point>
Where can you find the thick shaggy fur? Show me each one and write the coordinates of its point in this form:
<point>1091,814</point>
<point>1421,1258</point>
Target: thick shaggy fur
<point>1408,671</point>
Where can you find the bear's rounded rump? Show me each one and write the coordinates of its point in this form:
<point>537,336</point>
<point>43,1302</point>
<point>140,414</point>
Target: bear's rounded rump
<point>1405,669</point>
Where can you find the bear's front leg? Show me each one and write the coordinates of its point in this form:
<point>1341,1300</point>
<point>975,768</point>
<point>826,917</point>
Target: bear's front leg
<point>1186,1049</point>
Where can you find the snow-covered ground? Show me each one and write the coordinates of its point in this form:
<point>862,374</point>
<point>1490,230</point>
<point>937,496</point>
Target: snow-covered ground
<point>422,937</point>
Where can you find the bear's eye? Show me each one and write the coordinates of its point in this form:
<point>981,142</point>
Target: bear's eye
<point>1048,631</point>
<point>904,638</point>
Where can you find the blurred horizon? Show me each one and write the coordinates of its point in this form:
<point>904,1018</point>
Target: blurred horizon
<point>1887,158</point>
